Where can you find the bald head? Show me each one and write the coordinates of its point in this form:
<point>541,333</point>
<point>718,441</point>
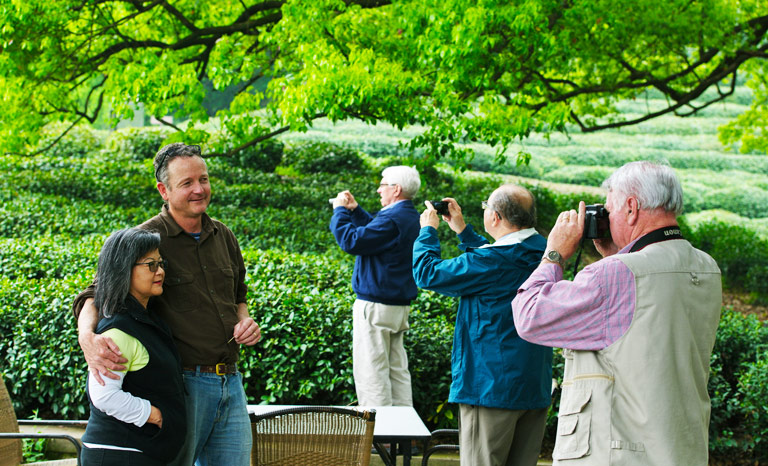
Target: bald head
<point>515,204</point>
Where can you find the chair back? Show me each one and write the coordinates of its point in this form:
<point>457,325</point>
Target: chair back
<point>10,450</point>
<point>313,435</point>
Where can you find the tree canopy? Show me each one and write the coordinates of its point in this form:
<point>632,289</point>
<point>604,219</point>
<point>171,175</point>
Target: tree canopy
<point>463,70</point>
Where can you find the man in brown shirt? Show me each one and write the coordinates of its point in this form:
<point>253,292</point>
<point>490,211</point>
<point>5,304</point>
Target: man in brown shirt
<point>203,302</point>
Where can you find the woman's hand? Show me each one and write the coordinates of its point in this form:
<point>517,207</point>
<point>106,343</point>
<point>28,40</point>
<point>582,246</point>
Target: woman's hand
<point>155,417</point>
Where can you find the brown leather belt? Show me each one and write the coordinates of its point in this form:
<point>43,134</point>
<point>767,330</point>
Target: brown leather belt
<point>219,369</point>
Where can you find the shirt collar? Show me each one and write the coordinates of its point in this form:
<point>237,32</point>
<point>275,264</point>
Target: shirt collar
<point>394,204</point>
<point>174,229</point>
<point>513,238</point>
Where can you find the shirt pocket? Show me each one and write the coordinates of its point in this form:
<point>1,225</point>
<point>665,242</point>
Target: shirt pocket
<point>224,284</point>
<point>573,425</point>
<point>179,293</point>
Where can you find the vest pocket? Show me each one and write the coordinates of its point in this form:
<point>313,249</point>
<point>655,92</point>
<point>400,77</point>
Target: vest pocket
<point>573,425</point>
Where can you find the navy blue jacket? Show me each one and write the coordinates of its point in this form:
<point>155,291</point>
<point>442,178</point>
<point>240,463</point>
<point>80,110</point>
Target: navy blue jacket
<point>491,365</point>
<point>384,248</point>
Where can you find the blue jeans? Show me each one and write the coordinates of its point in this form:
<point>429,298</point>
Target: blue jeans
<point>218,426</point>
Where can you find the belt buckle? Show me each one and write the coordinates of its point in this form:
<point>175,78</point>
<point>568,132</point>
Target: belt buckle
<point>221,368</point>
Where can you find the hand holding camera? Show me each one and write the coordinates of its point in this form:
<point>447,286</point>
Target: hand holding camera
<point>344,199</point>
<point>441,207</point>
<point>596,224</point>
<point>449,209</point>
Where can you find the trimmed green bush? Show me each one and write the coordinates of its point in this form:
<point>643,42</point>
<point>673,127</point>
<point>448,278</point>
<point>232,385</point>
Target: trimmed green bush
<point>583,175</point>
<point>79,141</point>
<point>323,157</point>
<point>137,143</point>
<point>741,254</point>
<point>738,391</point>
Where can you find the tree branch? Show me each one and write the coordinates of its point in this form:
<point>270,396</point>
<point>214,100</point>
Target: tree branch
<point>48,147</point>
<point>168,123</point>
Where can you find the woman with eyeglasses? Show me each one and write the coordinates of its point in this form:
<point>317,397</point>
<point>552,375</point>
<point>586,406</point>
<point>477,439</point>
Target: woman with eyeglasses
<point>140,418</point>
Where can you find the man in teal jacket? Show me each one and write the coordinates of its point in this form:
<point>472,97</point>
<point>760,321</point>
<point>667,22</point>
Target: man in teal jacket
<point>501,382</point>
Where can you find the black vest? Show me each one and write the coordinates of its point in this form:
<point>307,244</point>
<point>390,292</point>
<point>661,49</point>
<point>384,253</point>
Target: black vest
<point>160,382</point>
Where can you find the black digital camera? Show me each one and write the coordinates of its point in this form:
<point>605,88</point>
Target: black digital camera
<point>596,224</point>
<point>441,207</point>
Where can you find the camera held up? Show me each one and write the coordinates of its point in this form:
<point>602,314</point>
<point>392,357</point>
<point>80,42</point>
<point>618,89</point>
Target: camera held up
<point>441,207</point>
<point>596,224</point>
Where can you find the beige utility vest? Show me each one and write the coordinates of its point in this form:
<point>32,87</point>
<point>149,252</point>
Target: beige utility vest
<point>643,400</point>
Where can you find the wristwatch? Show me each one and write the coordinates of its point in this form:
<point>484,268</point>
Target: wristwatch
<point>554,257</point>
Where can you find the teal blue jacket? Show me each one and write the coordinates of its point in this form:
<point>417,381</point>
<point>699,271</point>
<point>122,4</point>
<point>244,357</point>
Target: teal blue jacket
<point>491,365</point>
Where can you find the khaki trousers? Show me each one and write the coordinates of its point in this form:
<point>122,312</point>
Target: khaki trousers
<point>500,437</point>
<point>380,365</point>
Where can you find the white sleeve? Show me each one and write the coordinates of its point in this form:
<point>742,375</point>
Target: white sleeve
<point>112,400</point>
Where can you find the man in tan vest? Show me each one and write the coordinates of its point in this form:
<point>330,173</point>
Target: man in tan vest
<point>637,328</point>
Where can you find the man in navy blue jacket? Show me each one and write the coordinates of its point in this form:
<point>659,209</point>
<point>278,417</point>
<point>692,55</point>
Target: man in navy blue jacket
<point>501,382</point>
<point>383,283</point>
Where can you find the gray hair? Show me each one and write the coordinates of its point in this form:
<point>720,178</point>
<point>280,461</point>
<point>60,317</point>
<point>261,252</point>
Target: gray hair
<point>654,185</point>
<point>515,204</point>
<point>170,152</point>
<point>116,260</point>
<point>406,177</point>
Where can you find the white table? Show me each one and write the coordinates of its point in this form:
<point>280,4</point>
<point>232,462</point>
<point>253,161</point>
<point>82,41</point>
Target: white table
<point>394,425</point>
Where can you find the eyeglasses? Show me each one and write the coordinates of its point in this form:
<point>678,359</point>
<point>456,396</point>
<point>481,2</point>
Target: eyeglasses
<point>173,152</point>
<point>153,265</point>
<point>381,185</point>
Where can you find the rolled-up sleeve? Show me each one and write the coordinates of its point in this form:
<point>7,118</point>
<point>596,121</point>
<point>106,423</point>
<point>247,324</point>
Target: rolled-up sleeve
<point>589,313</point>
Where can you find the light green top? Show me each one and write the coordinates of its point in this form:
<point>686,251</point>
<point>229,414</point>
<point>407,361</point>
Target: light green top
<point>132,349</point>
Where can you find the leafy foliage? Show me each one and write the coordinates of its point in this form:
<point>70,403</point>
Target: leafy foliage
<point>265,156</point>
<point>740,253</point>
<point>738,371</point>
<point>139,144</point>
<point>460,70</point>
<point>318,157</point>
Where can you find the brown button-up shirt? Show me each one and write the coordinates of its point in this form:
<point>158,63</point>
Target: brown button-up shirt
<point>204,282</point>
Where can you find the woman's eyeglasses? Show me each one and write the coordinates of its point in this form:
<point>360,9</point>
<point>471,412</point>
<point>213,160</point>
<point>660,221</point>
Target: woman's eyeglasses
<point>153,265</point>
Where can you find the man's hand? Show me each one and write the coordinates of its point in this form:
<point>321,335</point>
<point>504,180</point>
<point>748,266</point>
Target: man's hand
<point>455,219</point>
<point>247,332</point>
<point>102,356</point>
<point>345,199</point>
<point>566,234</point>
<point>101,353</point>
<point>429,217</point>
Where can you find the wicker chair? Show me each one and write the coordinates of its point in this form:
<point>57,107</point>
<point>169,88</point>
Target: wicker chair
<point>313,435</point>
<point>10,445</point>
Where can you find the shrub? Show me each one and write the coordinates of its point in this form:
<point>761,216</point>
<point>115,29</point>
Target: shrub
<point>79,141</point>
<point>741,254</point>
<point>265,156</point>
<point>323,157</point>
<point>583,175</point>
<point>737,389</point>
<point>42,363</point>
<point>137,143</point>
<point>748,201</point>
<point>30,217</point>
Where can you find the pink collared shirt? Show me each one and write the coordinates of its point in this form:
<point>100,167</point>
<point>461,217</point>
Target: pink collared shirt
<point>589,313</point>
